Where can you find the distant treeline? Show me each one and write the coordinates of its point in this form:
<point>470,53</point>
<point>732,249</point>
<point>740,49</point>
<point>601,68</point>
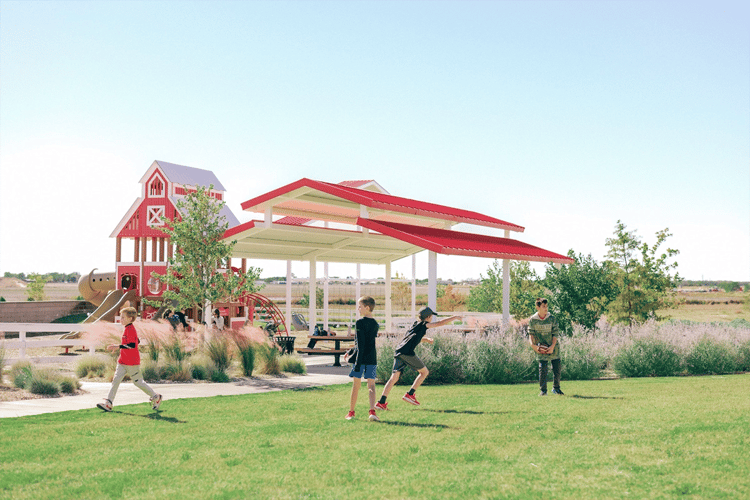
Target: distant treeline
<point>727,286</point>
<point>50,277</point>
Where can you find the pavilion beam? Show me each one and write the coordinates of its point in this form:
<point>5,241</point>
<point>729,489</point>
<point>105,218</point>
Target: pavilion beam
<point>288,311</point>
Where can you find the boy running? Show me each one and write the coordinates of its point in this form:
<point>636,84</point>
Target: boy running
<point>405,356</point>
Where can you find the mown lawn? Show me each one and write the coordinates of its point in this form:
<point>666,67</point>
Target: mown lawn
<point>681,437</point>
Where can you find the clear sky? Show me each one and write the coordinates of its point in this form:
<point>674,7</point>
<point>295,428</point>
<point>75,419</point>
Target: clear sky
<point>563,117</point>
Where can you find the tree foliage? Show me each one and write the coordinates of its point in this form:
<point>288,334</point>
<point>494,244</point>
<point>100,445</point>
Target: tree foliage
<point>35,289</point>
<point>643,276</point>
<point>581,291</point>
<point>525,287</point>
<point>197,274</point>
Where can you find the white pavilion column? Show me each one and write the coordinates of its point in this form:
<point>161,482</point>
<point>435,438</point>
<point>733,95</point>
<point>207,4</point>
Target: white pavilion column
<point>358,286</point>
<point>414,285</point>
<point>432,280</point>
<point>388,302</point>
<point>288,311</point>
<point>311,307</point>
<point>325,296</point>
<point>506,286</point>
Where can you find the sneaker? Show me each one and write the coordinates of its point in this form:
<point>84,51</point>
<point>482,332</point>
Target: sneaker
<point>350,415</point>
<point>156,401</point>
<point>558,392</point>
<point>382,406</point>
<point>411,398</point>
<point>106,405</point>
<point>373,417</point>
<point>543,393</point>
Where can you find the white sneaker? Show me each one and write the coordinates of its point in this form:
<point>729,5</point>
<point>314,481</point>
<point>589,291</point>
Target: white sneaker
<point>106,405</point>
<point>156,401</point>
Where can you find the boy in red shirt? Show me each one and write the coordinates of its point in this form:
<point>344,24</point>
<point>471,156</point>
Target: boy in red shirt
<point>129,362</point>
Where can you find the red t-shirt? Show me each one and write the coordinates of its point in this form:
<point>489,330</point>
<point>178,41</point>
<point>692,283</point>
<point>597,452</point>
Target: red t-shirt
<point>129,357</point>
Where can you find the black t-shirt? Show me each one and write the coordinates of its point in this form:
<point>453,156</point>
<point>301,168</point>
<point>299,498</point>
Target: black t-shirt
<point>412,339</point>
<point>367,330</point>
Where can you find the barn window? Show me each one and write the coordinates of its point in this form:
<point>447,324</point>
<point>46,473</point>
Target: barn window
<point>156,188</point>
<point>155,215</point>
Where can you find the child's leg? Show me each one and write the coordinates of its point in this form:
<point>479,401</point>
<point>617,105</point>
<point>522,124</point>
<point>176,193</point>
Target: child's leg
<point>371,392</point>
<point>543,375</point>
<point>137,377</point>
<point>391,382</point>
<point>356,382</point>
<point>119,375</point>
<point>423,372</point>
<point>556,374</point>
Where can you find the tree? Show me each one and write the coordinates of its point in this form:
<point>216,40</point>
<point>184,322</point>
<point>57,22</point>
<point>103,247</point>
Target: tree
<point>449,299</point>
<point>401,292</point>
<point>194,275</point>
<point>643,276</point>
<point>525,287</point>
<point>35,289</point>
<point>581,291</point>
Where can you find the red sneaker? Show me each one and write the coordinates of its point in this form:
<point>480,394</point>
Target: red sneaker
<point>411,398</point>
<point>350,415</point>
<point>373,417</point>
<point>381,406</point>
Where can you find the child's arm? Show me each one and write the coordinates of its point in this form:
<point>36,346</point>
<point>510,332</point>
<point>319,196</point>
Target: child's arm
<point>443,322</point>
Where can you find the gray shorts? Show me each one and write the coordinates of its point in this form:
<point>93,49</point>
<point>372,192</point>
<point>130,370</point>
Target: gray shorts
<point>402,361</point>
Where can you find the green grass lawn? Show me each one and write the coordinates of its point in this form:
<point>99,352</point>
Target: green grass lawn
<point>681,437</point>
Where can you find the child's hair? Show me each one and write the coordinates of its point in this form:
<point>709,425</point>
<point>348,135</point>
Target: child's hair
<point>129,312</point>
<point>368,302</point>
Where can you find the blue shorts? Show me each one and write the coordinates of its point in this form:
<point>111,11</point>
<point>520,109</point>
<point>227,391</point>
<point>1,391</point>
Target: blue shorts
<point>369,371</point>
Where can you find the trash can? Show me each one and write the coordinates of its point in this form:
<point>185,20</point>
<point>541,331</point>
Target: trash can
<point>286,344</point>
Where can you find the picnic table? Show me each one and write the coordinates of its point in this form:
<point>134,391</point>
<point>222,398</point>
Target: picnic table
<point>337,351</point>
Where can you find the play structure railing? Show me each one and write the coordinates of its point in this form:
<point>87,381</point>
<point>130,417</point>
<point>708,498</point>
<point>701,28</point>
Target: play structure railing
<point>23,328</point>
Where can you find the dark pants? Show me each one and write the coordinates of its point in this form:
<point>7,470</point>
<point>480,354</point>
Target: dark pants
<point>543,374</point>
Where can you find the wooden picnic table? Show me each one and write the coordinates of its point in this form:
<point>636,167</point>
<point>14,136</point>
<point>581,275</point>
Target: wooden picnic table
<point>337,350</point>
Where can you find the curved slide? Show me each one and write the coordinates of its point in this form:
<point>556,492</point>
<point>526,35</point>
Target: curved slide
<point>94,287</point>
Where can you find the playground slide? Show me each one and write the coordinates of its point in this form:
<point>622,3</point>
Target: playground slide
<point>111,305</point>
<point>95,287</point>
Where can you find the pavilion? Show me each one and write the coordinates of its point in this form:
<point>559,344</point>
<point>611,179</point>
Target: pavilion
<point>359,222</point>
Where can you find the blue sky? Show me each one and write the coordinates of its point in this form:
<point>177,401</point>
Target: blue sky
<point>563,117</point>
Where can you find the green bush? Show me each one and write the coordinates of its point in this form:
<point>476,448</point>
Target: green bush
<point>219,376</point>
<point>743,357</point>
<point>647,357</point>
<point>246,352</point>
<point>198,372</point>
<point>444,360</point>
<point>150,370</point>
<point>175,351</point>
<point>292,364</point>
<point>176,371</point>
<point>91,366</point>
<point>580,358</point>
<point>43,382</point>
<point>710,356</point>
<point>268,355</point>
<point>69,385</point>
<point>21,372</point>
<point>218,350</point>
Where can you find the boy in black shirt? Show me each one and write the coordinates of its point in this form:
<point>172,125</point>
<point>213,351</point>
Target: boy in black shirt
<point>405,356</point>
<point>366,364</point>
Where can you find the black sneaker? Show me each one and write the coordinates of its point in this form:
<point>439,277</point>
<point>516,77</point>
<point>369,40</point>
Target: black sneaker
<point>558,392</point>
<point>543,393</point>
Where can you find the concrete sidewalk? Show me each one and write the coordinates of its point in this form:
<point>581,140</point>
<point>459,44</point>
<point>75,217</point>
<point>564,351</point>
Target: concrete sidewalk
<point>319,373</point>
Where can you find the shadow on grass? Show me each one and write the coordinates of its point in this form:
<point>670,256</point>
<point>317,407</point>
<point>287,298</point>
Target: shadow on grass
<point>577,396</point>
<point>469,412</point>
<point>412,424</point>
<point>153,416</point>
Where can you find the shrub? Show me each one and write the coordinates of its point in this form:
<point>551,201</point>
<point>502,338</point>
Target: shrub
<point>710,356</point>
<point>246,351</point>
<point>176,372</point>
<point>269,358</point>
<point>153,349</point>
<point>2,363</point>
<point>444,359</point>
<point>21,372</point>
<point>219,376</point>
<point>743,357</point>
<point>91,366</point>
<point>501,357</point>
<point>175,350</point>
<point>42,382</point>
<point>647,357</point>
<point>218,350</point>
<point>581,358</point>
<point>150,370</point>
<point>69,385</point>
<point>292,364</point>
